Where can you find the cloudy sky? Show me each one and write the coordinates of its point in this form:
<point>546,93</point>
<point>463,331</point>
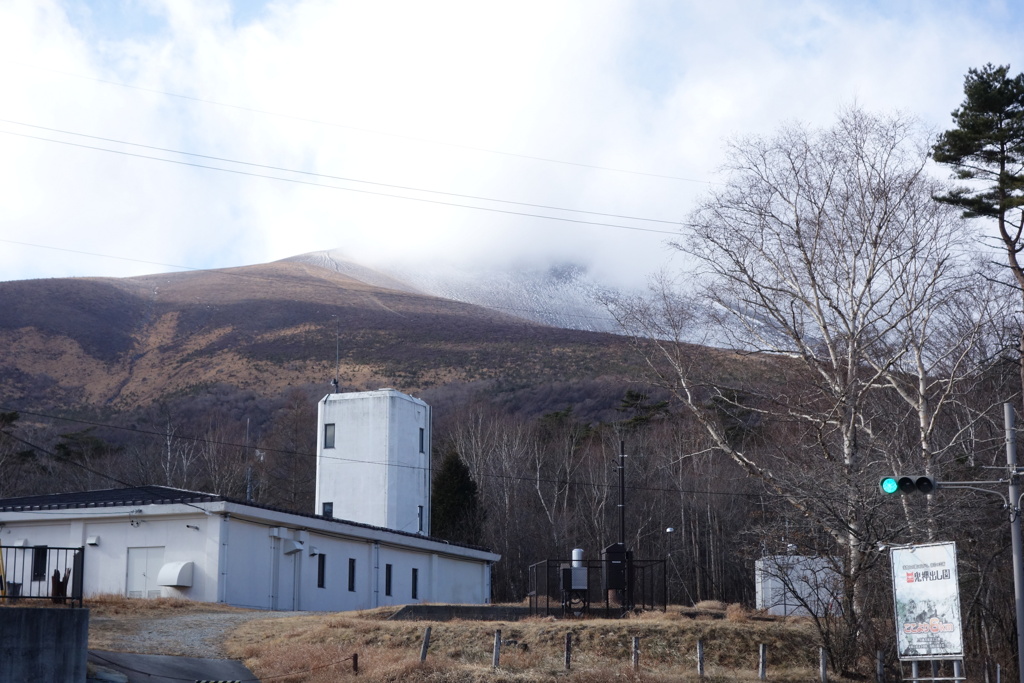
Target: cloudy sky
<point>377,127</point>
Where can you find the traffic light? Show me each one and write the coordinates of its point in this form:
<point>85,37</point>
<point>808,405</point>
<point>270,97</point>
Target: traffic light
<point>908,483</point>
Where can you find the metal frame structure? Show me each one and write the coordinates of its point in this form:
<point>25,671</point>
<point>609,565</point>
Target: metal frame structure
<point>648,589</point>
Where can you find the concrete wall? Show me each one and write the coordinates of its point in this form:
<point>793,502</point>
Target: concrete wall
<point>378,470</point>
<point>43,644</point>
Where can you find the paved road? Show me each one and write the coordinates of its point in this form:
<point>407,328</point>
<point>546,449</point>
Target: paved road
<point>170,669</point>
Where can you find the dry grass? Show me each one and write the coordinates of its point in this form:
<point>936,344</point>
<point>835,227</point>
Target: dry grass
<point>319,648</point>
<point>112,604</point>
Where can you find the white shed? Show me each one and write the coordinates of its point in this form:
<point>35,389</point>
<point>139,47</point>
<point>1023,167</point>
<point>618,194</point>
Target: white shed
<point>155,541</point>
<point>797,585</point>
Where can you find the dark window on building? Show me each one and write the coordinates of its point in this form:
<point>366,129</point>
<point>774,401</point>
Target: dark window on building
<point>329,435</point>
<point>39,563</point>
<point>352,575</point>
<point>423,439</point>
<point>328,509</point>
<point>419,518</point>
<point>321,571</point>
<point>387,579</point>
<point>415,583</point>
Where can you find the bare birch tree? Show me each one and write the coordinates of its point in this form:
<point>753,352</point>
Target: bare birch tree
<point>824,252</point>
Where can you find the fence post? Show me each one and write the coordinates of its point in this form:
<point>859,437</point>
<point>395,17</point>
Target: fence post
<point>568,650</point>
<point>915,669</point>
<point>958,668</point>
<point>496,658</point>
<point>879,667</point>
<point>762,662</point>
<point>355,664</point>
<point>700,658</point>
<point>636,653</point>
<point>822,665</point>
<point>426,644</point>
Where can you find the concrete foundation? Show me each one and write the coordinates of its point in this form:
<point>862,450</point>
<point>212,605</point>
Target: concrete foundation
<point>43,644</point>
<point>452,612</point>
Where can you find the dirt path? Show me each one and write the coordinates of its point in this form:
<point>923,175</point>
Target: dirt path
<point>190,634</point>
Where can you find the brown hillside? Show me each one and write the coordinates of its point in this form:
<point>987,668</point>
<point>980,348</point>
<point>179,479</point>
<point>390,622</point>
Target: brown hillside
<point>125,343</point>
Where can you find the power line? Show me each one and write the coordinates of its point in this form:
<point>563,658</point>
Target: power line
<point>338,187</point>
<point>69,461</point>
<point>334,177</point>
<point>363,130</point>
<point>502,477</point>
<point>227,444</point>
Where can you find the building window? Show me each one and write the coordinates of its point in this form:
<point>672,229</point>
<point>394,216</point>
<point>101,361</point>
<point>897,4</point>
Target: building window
<point>423,439</point>
<point>39,554</point>
<point>415,583</point>
<point>352,574</point>
<point>328,509</point>
<point>329,435</point>
<point>419,518</point>
<point>387,579</point>
<point>321,570</point>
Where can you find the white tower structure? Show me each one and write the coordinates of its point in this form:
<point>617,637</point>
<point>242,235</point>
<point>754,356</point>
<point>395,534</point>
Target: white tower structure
<point>373,460</point>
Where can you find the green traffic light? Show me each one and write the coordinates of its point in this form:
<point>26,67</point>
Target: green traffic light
<point>889,485</point>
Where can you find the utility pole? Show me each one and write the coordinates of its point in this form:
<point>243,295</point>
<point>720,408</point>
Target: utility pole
<point>1015,534</point>
<point>622,495</point>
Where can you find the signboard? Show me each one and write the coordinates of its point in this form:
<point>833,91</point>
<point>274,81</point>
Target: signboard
<point>927,596</point>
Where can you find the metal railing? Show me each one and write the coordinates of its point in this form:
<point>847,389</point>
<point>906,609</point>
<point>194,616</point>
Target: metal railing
<point>41,573</point>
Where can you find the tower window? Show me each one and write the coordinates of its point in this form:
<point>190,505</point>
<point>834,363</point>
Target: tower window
<point>387,579</point>
<point>423,439</point>
<point>352,575</point>
<point>328,509</point>
<point>321,570</point>
<point>415,583</point>
<point>329,435</point>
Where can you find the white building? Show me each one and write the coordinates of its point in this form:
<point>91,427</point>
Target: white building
<point>373,459</point>
<point>372,549</point>
<point>797,585</point>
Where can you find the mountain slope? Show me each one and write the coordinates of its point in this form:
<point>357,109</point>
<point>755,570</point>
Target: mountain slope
<point>561,295</point>
<point>126,343</point>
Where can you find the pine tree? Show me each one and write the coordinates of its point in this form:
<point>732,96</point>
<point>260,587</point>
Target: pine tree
<point>987,148</point>
<point>455,510</point>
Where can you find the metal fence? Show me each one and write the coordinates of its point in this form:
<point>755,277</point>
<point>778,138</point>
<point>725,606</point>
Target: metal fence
<point>41,573</point>
<point>553,591</point>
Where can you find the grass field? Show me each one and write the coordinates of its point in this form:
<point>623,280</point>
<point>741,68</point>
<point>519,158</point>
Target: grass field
<point>319,647</point>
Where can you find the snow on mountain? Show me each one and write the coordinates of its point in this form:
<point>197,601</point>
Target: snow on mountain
<point>560,295</point>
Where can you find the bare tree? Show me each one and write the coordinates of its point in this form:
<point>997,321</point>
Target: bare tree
<point>824,251</point>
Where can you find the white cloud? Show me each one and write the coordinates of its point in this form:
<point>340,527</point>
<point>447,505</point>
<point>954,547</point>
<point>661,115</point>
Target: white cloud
<point>652,87</point>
